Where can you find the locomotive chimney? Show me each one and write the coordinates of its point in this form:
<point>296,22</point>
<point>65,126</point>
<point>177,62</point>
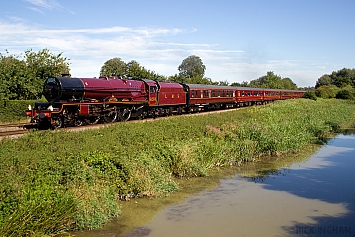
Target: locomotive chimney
<point>66,74</point>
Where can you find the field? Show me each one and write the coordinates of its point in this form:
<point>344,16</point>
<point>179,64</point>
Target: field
<point>53,181</point>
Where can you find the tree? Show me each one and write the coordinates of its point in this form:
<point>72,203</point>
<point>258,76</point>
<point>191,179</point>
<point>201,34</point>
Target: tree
<point>179,78</point>
<point>343,77</point>
<point>114,67</point>
<point>24,78</point>
<point>270,80</point>
<point>288,84</point>
<point>44,64</point>
<point>192,66</point>
<point>324,80</point>
<point>223,83</point>
<point>13,76</point>
<point>327,92</point>
<point>134,69</point>
<point>243,84</point>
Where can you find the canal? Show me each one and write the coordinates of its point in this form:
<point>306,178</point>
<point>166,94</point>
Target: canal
<point>292,195</point>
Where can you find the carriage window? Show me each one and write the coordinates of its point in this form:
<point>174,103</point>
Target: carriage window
<point>213,93</point>
<point>192,94</point>
<point>243,94</point>
<point>219,93</point>
<point>152,89</point>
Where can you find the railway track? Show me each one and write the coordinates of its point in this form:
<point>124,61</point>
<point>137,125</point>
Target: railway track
<point>15,129</point>
<point>18,129</point>
<point>12,133</point>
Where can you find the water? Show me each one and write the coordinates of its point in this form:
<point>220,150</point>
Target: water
<point>287,196</point>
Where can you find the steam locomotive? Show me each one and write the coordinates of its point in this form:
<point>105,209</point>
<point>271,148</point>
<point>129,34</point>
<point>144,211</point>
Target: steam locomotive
<point>79,101</point>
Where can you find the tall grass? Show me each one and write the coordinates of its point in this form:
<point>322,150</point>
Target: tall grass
<point>58,180</point>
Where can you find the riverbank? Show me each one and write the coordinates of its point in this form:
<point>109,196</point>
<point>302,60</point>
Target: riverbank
<point>56,180</point>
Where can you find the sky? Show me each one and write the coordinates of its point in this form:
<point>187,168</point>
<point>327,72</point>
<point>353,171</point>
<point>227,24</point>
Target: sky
<point>237,40</point>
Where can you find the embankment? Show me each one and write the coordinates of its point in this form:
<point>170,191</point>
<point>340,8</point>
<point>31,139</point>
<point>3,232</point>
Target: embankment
<point>58,180</point>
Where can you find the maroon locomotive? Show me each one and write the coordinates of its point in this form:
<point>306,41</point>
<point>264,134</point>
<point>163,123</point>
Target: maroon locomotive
<point>78,101</point>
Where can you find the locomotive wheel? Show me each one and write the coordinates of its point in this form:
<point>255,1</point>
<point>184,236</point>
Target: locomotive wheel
<point>110,117</point>
<point>92,120</point>
<point>124,115</point>
<point>78,122</point>
<point>58,122</point>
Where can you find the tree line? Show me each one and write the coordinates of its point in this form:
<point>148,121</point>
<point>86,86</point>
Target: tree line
<point>22,76</point>
<point>339,84</point>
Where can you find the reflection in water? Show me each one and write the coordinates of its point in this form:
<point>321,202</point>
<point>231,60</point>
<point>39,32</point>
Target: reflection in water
<point>278,196</point>
<point>303,198</point>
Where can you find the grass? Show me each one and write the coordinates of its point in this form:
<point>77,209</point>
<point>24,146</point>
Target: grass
<point>58,180</point>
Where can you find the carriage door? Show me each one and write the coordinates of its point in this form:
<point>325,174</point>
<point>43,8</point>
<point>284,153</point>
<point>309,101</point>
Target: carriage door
<point>153,96</point>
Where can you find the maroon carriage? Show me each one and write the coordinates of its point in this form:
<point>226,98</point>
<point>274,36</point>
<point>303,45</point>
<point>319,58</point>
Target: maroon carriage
<point>291,94</point>
<point>203,97</point>
<point>246,96</point>
<point>272,94</point>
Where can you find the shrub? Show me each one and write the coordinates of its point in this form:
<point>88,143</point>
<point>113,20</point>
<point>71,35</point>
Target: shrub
<point>327,92</point>
<point>310,95</point>
<point>345,95</point>
<point>11,110</point>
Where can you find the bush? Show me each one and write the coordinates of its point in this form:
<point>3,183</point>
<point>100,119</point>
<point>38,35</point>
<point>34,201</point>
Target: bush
<point>345,94</point>
<point>310,95</point>
<point>11,110</point>
<point>327,92</point>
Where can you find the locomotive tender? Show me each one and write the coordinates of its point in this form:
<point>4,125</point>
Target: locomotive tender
<point>78,101</point>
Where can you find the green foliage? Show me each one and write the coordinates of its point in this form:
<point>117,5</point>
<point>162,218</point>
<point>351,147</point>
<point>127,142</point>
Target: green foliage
<point>324,80</point>
<point>137,71</point>
<point>23,79</point>
<point>114,67</point>
<point>346,94</point>
<point>270,80</point>
<point>192,66</point>
<point>117,67</point>
<point>327,92</point>
<point>341,78</point>
<point>310,95</point>
<point>243,84</point>
<point>43,64</point>
<point>192,80</point>
<point>15,80</point>
<point>11,110</point>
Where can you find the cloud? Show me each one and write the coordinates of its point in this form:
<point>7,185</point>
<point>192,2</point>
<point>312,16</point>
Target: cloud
<point>48,4</point>
<point>154,48</point>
